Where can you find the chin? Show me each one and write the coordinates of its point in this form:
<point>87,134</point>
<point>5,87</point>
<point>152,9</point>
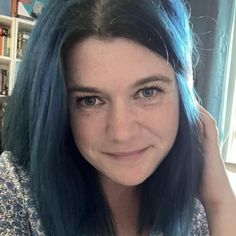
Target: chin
<point>130,181</point>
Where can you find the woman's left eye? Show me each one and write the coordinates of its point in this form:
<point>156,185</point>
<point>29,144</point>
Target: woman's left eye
<point>148,92</point>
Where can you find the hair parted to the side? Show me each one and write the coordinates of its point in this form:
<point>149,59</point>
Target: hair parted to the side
<point>36,128</point>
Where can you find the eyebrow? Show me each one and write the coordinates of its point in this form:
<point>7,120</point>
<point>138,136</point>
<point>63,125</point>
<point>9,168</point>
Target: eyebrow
<point>84,89</point>
<point>88,89</point>
<point>153,78</point>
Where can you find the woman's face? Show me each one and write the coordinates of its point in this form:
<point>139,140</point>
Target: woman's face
<point>124,108</point>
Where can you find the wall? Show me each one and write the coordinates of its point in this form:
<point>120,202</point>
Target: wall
<point>5,7</point>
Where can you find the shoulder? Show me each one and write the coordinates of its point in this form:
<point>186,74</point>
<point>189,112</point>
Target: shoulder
<point>199,222</point>
<point>13,216</point>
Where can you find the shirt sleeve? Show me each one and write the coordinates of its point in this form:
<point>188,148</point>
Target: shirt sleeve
<point>199,223</point>
<point>13,216</point>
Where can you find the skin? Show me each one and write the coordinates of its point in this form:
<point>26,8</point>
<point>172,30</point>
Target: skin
<point>216,195</point>
<point>124,130</point>
<point>126,133</point>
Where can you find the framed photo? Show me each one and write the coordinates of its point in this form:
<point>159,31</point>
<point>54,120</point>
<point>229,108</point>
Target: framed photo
<point>30,9</point>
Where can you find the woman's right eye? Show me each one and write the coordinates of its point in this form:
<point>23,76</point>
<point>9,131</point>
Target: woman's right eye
<point>88,101</point>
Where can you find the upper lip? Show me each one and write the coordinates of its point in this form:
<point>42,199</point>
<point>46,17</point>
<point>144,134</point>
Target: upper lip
<point>126,153</point>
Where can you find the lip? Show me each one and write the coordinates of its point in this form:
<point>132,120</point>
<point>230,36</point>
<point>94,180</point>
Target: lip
<point>128,155</point>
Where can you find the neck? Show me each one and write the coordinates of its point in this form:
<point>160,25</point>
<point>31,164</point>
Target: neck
<point>124,204</point>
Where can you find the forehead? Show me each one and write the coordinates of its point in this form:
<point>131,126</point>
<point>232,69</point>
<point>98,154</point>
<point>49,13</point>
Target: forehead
<point>118,60</point>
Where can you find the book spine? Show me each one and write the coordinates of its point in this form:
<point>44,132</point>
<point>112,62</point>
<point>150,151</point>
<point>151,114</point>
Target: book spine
<point>1,81</point>
<point>19,45</point>
<point>3,44</point>
<point>8,44</point>
<point>5,36</point>
<point>1,41</point>
<point>4,90</point>
<point>25,40</point>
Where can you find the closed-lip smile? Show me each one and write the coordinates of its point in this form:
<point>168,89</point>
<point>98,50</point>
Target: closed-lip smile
<point>129,154</point>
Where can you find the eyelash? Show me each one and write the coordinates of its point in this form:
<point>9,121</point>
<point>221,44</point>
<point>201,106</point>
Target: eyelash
<point>82,98</point>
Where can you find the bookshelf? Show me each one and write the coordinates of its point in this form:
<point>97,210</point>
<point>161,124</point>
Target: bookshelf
<point>18,33</point>
<point>6,59</point>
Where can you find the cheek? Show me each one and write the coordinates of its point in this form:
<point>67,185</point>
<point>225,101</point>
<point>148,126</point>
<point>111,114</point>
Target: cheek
<point>170,121</point>
<point>163,122</point>
<point>86,128</point>
<point>170,117</point>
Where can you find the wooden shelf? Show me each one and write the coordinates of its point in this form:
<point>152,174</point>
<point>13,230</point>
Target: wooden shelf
<point>5,20</point>
<point>26,25</point>
<point>5,60</point>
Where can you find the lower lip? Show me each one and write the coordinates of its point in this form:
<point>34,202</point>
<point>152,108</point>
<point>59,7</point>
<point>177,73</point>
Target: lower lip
<point>131,156</point>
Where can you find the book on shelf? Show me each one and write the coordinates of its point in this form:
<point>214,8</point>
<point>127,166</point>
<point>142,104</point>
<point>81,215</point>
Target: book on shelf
<point>22,39</point>
<point>5,41</point>
<point>4,72</point>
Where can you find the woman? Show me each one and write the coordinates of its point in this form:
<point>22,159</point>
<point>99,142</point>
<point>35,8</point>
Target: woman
<point>104,131</point>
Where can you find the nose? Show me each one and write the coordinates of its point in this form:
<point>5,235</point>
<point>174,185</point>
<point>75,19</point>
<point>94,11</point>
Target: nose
<point>122,123</point>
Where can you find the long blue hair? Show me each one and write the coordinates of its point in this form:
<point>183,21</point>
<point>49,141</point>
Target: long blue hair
<point>66,189</point>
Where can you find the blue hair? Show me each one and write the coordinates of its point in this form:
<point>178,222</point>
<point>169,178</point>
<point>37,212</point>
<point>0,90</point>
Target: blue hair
<point>68,194</point>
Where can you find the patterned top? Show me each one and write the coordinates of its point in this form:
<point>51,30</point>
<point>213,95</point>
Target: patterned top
<point>18,214</point>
